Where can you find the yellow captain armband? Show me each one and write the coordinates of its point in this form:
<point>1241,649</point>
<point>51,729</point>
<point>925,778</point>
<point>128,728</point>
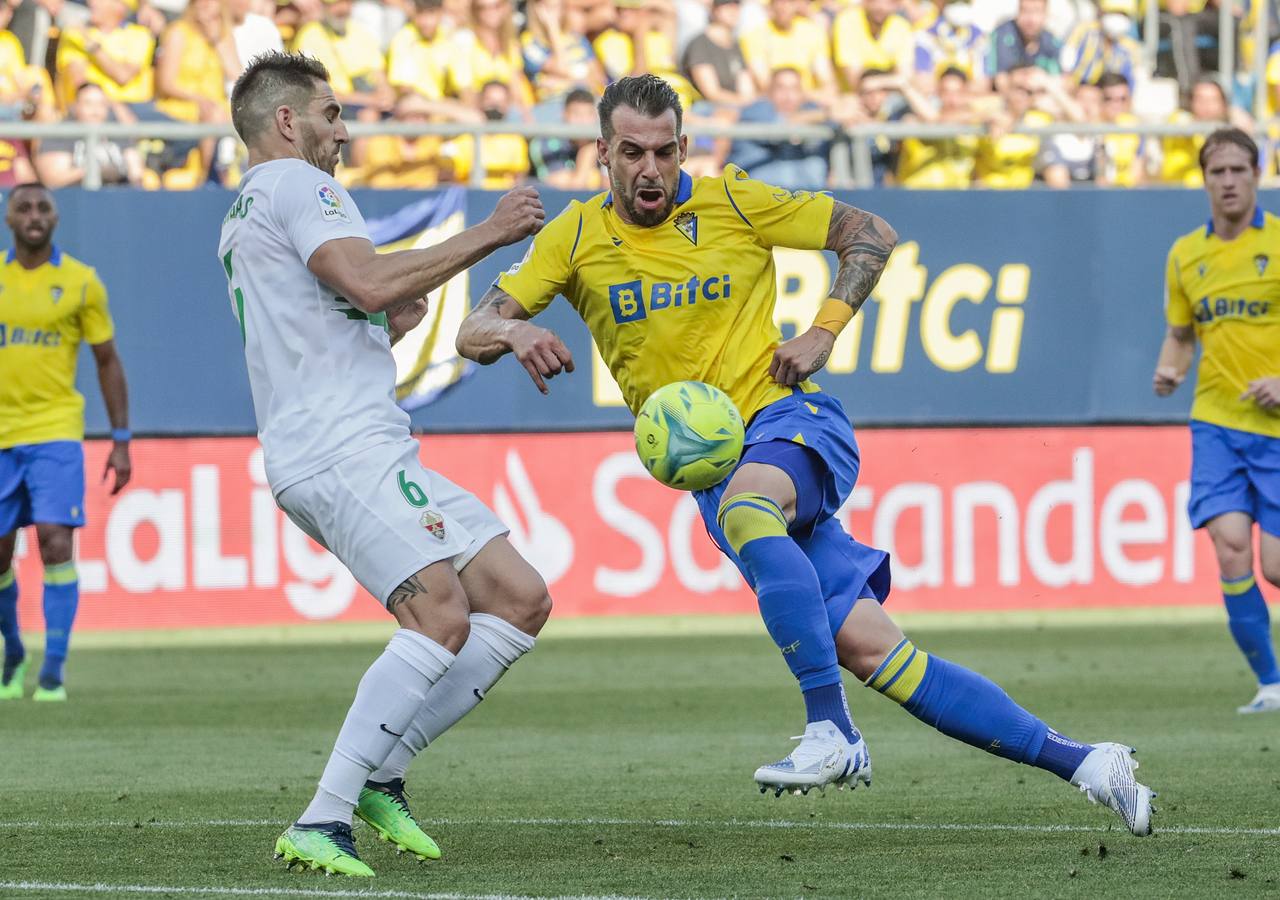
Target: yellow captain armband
<point>833,316</point>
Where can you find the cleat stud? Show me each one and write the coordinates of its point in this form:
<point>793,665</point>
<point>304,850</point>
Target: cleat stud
<point>277,856</point>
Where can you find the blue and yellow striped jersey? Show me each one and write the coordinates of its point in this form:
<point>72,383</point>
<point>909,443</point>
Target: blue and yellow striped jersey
<point>689,299</point>
<point>1230,292</point>
<point>44,315</point>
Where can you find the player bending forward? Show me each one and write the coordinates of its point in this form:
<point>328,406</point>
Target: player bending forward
<point>318,309</point>
<point>674,277</point>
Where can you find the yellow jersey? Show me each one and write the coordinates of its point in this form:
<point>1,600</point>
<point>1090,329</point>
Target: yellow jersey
<point>131,44</point>
<point>854,44</point>
<point>802,47</point>
<point>1010,161</point>
<point>428,66</point>
<point>351,57</point>
<point>689,299</point>
<point>199,71</point>
<point>1230,292</point>
<point>1181,164</point>
<point>44,315</point>
<point>937,164</point>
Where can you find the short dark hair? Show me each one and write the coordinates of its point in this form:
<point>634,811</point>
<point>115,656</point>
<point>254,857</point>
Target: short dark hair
<point>1112,79</point>
<point>271,80</point>
<point>579,95</point>
<point>873,73</point>
<point>421,5</point>
<point>954,72</point>
<point>29,186</point>
<point>1225,136</point>
<point>88,86</point>
<point>648,95</point>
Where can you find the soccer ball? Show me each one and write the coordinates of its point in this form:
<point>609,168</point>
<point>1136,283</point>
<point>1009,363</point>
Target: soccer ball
<point>689,435</point>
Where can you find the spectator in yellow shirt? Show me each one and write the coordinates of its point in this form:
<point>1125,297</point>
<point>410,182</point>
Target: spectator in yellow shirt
<point>789,40</point>
<point>392,161</point>
<point>1124,156</point>
<point>874,35</point>
<point>1208,103</point>
<point>504,158</point>
<point>942,162</point>
<point>1007,159</point>
<point>110,53</point>
<point>492,49</point>
<point>197,58</point>
<point>25,91</point>
<point>642,41</point>
<point>357,69</point>
<point>424,60</point>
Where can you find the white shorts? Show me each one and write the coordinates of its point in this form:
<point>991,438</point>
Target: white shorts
<point>386,516</point>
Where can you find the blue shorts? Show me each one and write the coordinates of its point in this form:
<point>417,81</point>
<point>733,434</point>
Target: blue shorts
<point>1234,471</point>
<point>823,482</point>
<point>42,483</point>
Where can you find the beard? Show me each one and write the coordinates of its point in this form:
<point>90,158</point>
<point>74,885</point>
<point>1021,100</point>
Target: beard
<point>313,150</point>
<point>643,217</point>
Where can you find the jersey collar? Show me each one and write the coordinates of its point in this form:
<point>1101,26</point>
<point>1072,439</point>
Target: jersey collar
<point>1259,220</point>
<point>684,190</point>
<point>55,258</point>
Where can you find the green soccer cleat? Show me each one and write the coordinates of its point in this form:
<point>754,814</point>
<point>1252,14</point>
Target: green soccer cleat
<point>12,689</point>
<point>384,807</point>
<point>50,695</point>
<point>326,846</point>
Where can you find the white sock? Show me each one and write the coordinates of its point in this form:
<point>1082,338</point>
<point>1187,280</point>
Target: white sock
<point>492,648</point>
<point>391,691</point>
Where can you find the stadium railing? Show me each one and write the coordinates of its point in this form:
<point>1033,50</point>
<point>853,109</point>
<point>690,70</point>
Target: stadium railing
<point>850,155</point>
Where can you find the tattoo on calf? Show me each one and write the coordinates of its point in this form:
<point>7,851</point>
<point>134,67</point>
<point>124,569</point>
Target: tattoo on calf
<point>861,241</point>
<point>411,587</point>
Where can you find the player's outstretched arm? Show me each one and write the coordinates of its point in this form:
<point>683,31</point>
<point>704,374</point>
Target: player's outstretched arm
<point>500,325</point>
<point>1176,354</point>
<point>863,242</point>
<point>377,282</point>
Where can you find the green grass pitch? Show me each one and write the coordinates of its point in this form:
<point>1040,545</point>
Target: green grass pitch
<point>621,766</point>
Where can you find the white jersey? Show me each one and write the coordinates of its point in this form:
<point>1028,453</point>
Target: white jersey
<point>321,371</point>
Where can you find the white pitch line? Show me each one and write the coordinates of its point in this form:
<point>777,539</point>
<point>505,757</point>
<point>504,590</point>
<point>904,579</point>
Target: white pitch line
<point>103,888</point>
<point>976,827</point>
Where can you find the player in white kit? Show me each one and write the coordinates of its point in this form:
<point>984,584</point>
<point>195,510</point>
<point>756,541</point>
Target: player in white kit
<point>318,310</point>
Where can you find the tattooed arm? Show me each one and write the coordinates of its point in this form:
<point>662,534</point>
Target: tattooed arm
<point>500,325</point>
<point>863,241</point>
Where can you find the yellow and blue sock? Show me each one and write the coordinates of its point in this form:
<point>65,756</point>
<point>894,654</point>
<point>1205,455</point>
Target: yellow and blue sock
<point>968,707</point>
<point>1250,625</point>
<point>61,597</point>
<point>14,652</point>
<point>790,598</point>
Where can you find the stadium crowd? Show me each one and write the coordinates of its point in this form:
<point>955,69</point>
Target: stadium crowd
<point>993,63</point>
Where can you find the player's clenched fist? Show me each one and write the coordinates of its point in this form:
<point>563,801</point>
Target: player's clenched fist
<point>542,354</point>
<point>519,214</point>
<point>797,359</point>
<point>1166,381</point>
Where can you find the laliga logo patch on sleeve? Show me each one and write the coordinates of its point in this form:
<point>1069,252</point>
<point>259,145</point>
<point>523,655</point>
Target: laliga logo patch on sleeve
<point>331,208</point>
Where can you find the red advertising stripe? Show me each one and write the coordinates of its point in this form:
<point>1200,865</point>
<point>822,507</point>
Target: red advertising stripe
<point>976,519</point>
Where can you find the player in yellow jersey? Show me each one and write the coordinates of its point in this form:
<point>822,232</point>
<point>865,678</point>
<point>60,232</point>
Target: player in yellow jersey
<point>1222,287</point>
<point>675,279</point>
<point>49,303</point>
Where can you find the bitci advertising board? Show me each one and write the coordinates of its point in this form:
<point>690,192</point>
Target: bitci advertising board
<point>977,519</point>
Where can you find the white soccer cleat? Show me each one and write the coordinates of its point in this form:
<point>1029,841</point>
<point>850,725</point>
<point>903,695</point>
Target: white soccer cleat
<point>824,757</point>
<point>1106,777</point>
<point>1266,700</point>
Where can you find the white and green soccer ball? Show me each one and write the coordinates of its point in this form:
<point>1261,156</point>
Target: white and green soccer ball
<point>689,435</point>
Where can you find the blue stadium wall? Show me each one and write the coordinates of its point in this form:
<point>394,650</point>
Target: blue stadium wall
<point>1000,308</point>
